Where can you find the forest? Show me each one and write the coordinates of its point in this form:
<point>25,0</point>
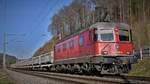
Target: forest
<point>81,14</point>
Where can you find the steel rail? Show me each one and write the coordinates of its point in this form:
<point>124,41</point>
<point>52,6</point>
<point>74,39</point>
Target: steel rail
<point>82,79</point>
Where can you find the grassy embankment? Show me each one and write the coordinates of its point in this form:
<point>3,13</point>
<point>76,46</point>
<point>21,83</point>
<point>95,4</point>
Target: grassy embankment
<point>142,68</point>
<point>4,79</point>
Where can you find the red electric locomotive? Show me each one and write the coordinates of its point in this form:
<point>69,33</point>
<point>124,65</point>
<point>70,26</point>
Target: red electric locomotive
<point>104,47</point>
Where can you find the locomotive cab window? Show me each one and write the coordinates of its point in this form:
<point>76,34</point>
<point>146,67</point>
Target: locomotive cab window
<point>105,35</point>
<point>123,35</point>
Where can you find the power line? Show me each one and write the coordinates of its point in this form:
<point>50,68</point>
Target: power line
<point>44,17</point>
<point>5,43</point>
<point>39,22</point>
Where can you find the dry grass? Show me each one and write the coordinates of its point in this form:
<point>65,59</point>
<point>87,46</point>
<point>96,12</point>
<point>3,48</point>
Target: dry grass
<point>4,79</point>
<point>142,68</point>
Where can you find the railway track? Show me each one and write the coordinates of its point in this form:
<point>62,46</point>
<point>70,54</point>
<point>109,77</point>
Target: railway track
<point>82,79</point>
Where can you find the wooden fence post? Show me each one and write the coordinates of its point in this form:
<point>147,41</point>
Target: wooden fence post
<point>149,51</point>
<point>141,55</point>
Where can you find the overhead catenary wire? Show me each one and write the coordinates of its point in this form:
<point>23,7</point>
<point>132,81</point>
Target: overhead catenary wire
<point>43,18</point>
<point>5,45</point>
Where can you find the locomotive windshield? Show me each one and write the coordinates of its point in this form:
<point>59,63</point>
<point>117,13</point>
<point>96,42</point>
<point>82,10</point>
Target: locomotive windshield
<point>106,35</point>
<point>123,35</point>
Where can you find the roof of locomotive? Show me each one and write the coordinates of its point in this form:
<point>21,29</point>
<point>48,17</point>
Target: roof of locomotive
<point>99,25</point>
<point>108,25</point>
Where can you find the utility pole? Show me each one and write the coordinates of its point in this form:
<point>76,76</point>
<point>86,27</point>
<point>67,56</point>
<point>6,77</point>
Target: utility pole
<point>5,42</point>
<point>4,51</point>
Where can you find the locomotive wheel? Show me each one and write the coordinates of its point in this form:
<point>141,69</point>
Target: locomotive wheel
<point>103,69</point>
<point>85,68</point>
<point>52,68</point>
<point>112,69</point>
<point>107,69</point>
<point>63,68</point>
<point>77,68</point>
<point>116,69</point>
<point>69,68</point>
<point>58,68</point>
<point>98,67</point>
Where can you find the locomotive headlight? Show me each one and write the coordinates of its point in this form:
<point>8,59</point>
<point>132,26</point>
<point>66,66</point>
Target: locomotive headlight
<point>129,53</point>
<point>104,52</point>
<point>117,46</point>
